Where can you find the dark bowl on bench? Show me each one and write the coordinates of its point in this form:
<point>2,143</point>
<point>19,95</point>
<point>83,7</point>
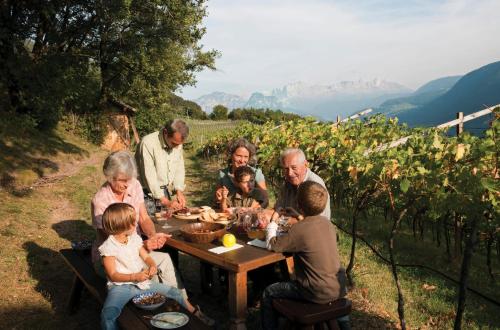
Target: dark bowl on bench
<point>137,301</point>
<point>203,232</point>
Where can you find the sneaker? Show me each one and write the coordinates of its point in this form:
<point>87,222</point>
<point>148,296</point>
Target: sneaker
<point>205,319</point>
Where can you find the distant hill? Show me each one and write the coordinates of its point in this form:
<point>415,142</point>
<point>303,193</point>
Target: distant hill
<point>476,90</point>
<point>420,97</point>
<point>209,101</point>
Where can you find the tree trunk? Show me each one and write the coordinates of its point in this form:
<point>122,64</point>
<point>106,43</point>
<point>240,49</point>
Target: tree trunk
<point>438,233</point>
<point>489,244</point>
<point>353,248</point>
<point>446,237</point>
<point>464,273</point>
<point>401,311</point>
<point>458,237</point>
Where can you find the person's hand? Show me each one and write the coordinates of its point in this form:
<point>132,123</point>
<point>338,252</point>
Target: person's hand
<point>218,194</point>
<point>271,231</point>
<point>165,201</point>
<point>292,221</point>
<point>151,244</point>
<point>225,192</point>
<point>161,239</point>
<point>156,241</point>
<point>152,271</point>
<point>175,205</point>
<point>181,199</point>
<point>142,276</point>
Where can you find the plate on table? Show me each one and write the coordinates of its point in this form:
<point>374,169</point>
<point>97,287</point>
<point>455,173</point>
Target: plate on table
<point>183,216</point>
<point>215,217</point>
<point>169,320</point>
<point>188,213</point>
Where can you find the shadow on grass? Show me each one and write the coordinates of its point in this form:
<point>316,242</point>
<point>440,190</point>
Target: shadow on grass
<point>30,153</point>
<point>54,279</point>
<point>74,230</point>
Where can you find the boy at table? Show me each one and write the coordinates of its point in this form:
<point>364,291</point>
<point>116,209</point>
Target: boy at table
<point>313,242</point>
<point>246,195</point>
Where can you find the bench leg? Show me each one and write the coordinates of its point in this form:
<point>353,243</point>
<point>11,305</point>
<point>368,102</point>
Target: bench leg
<point>75,295</point>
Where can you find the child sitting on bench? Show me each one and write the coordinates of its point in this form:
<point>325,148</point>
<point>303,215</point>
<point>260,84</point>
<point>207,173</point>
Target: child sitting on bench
<point>129,267</point>
<point>246,195</point>
<point>313,242</point>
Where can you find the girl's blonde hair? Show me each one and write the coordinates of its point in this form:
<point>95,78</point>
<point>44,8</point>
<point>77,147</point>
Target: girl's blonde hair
<point>117,218</point>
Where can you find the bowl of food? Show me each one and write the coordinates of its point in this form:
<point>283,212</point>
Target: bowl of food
<point>149,300</point>
<point>203,232</point>
<point>257,233</point>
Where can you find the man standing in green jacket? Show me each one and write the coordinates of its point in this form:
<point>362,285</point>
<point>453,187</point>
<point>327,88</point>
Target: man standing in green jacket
<point>160,161</point>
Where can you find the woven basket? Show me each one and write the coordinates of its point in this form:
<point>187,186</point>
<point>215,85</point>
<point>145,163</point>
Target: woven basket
<point>191,232</point>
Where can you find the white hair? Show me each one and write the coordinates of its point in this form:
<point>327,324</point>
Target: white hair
<point>119,162</point>
<point>293,151</point>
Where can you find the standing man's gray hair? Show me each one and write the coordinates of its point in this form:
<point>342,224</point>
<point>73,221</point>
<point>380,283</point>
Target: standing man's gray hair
<point>293,151</point>
<point>177,125</point>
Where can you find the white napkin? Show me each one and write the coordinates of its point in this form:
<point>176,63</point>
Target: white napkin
<point>223,249</point>
<point>258,243</point>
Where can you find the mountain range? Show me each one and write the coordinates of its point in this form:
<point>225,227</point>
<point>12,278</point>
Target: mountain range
<point>434,103</point>
<point>421,96</point>
<point>443,98</point>
<point>321,101</point>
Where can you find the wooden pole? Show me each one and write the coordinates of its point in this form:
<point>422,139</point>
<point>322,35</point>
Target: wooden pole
<point>460,125</point>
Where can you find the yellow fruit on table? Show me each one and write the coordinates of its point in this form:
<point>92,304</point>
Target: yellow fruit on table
<point>228,240</point>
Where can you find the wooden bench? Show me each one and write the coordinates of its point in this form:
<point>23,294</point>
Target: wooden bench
<point>131,317</point>
<point>306,315</point>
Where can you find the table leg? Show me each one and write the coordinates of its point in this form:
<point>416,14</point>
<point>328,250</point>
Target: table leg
<point>237,297</point>
<point>174,255</point>
<point>207,278</point>
<point>287,268</point>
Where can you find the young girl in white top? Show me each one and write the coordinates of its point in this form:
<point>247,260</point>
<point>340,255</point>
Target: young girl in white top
<point>129,267</point>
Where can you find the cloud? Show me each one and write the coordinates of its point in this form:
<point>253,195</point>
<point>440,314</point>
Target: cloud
<point>266,44</point>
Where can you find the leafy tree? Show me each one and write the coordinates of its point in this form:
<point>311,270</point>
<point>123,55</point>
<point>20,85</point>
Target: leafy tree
<point>219,113</point>
<point>187,108</point>
<point>72,55</point>
<point>260,116</point>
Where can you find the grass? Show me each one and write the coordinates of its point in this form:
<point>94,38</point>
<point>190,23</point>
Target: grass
<point>424,308</point>
<point>35,279</point>
<point>203,130</point>
<point>36,223</point>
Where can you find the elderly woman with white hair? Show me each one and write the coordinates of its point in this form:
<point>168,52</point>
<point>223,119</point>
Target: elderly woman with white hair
<point>122,186</point>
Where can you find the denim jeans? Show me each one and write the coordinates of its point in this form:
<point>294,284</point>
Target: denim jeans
<point>119,295</point>
<point>287,290</point>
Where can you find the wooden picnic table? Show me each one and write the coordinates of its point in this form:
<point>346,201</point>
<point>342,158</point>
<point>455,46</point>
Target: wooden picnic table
<point>237,262</point>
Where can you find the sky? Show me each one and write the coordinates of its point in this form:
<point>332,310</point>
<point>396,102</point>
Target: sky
<point>266,44</point>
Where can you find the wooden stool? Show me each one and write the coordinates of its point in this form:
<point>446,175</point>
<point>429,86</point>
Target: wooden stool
<point>306,315</point>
